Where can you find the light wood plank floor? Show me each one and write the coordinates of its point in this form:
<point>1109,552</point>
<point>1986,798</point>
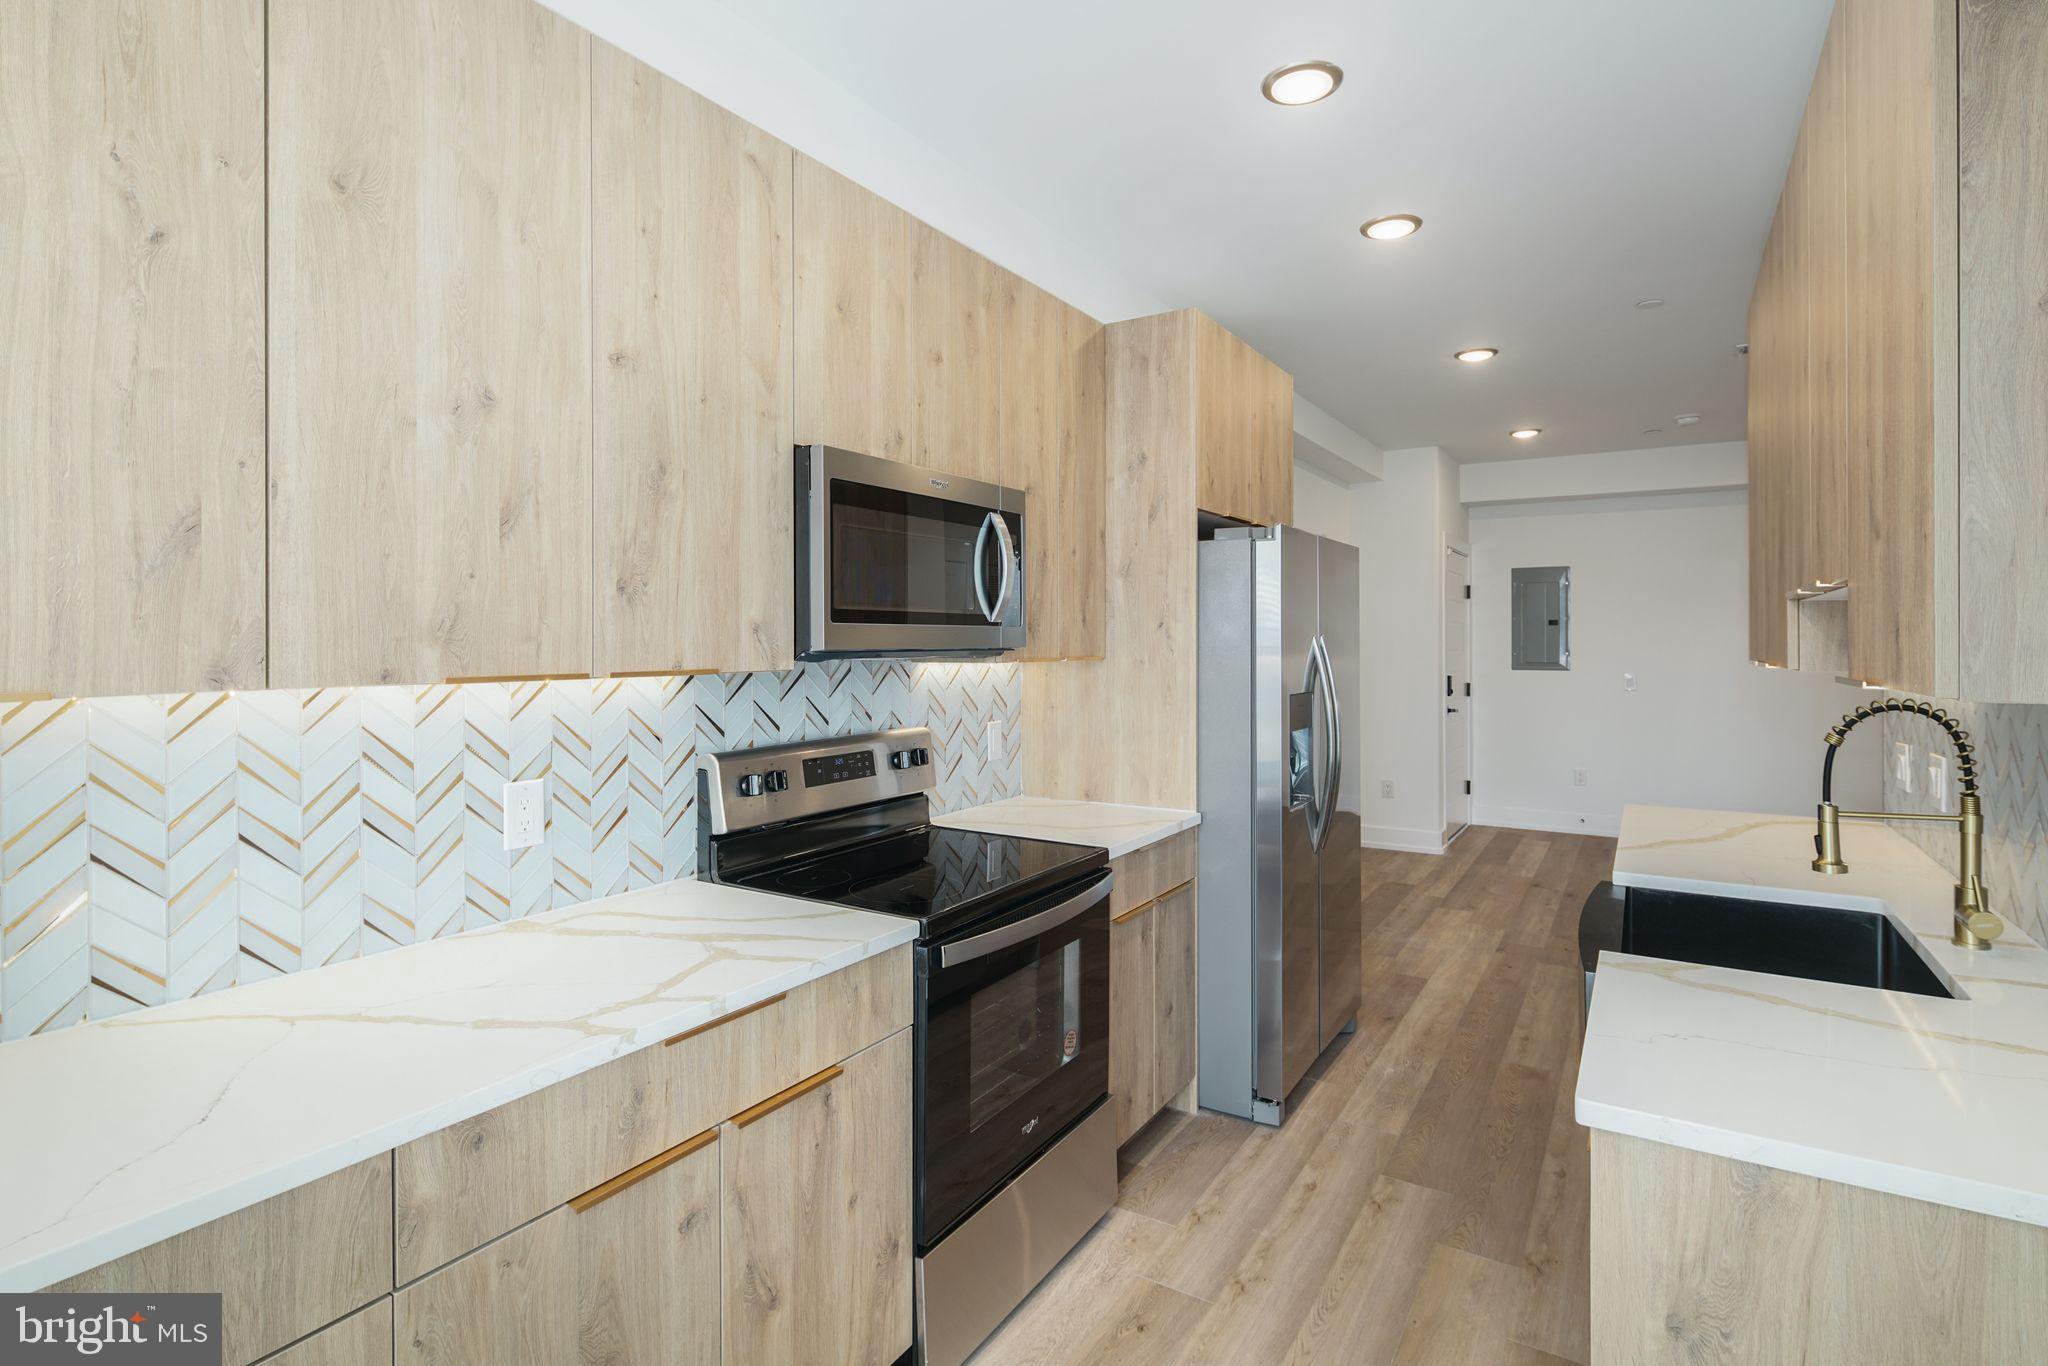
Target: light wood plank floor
<point>1426,1200</point>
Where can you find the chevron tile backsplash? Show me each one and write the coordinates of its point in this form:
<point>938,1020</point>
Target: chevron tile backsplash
<point>154,848</point>
<point>2012,752</point>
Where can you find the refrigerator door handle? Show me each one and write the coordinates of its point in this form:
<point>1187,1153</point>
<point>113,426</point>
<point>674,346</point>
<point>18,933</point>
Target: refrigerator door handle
<point>1312,682</point>
<point>1333,739</point>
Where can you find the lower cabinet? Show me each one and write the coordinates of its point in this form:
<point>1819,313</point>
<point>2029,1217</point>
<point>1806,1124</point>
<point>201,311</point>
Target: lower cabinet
<point>627,1272</point>
<point>781,1235</point>
<point>361,1339</point>
<point>817,1216</point>
<point>1151,1007</point>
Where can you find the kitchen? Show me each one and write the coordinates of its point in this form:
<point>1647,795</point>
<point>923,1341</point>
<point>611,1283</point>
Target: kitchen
<point>705,683</point>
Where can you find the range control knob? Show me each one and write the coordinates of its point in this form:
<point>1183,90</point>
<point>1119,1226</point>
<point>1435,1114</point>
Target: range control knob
<point>752,785</point>
<point>920,756</point>
<point>902,758</point>
<point>778,780</point>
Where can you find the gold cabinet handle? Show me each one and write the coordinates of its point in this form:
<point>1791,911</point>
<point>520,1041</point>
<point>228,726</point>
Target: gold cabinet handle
<point>514,678</point>
<point>724,1019</point>
<point>1134,912</point>
<point>633,1176</point>
<point>782,1098</point>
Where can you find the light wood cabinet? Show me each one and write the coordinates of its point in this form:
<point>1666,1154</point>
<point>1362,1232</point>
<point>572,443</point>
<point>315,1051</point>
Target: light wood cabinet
<point>461,1186</point>
<point>895,332</point>
<point>131,335</point>
<point>1050,421</point>
<point>817,1216</point>
<point>626,1274</point>
<point>1151,1007</point>
<point>1894,398</point>
<point>430,360</point>
<point>283,1267</point>
<point>361,1339</point>
<point>2001,548</point>
<point>1244,429</point>
<point>691,454</point>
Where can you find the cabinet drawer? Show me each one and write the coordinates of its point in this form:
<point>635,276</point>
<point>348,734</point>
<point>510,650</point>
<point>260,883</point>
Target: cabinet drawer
<point>461,1187</point>
<point>625,1273</point>
<point>1146,874</point>
<point>361,1339</point>
<point>283,1267</point>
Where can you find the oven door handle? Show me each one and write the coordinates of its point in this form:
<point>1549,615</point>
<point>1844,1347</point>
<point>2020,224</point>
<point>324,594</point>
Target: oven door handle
<point>993,941</point>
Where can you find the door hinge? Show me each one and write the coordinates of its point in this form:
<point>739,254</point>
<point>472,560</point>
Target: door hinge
<point>1468,787</point>
<point>1468,590</point>
<point>1468,690</point>
<point>1447,686</point>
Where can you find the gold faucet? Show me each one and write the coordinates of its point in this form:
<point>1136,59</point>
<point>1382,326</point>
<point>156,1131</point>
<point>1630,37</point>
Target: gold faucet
<point>1975,925</point>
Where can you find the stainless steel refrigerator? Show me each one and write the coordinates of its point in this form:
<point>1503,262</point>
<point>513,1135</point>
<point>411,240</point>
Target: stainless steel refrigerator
<point>1277,691</point>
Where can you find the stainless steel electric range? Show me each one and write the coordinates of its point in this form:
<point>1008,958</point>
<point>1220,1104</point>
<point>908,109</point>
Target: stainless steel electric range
<point>1015,1145</point>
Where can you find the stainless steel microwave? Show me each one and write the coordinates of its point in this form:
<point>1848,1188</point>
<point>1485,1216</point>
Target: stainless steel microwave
<point>892,559</point>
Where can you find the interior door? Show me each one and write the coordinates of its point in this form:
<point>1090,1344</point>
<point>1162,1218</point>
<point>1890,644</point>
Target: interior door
<point>1457,741</point>
<point>1339,919</point>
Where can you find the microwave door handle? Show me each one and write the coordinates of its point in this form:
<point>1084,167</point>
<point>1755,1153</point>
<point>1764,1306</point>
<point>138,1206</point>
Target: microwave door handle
<point>1009,547</point>
<point>980,559</point>
<point>996,940</point>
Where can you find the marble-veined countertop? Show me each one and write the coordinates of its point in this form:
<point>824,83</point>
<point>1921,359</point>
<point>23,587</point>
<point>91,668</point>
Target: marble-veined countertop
<point>1120,829</point>
<point>1937,1100</point>
<point>119,1133</point>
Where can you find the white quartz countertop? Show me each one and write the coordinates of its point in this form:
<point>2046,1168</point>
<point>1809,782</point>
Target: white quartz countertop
<point>116,1134</point>
<point>1121,829</point>
<point>1937,1100</point>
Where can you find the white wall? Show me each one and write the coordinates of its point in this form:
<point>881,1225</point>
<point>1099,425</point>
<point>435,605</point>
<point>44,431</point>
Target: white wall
<point>1404,521</point>
<point>1672,469</point>
<point>1659,589</point>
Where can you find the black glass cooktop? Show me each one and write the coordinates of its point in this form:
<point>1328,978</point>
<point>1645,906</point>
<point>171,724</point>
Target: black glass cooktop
<point>945,878</point>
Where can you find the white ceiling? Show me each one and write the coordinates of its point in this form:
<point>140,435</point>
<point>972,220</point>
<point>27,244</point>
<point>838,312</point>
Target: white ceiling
<point>1568,157</point>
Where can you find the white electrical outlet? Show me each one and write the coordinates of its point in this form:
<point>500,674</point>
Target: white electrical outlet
<point>1937,780</point>
<point>995,742</point>
<point>1902,765</point>
<point>1386,787</point>
<point>1628,682</point>
<point>1578,777</point>
<point>525,813</point>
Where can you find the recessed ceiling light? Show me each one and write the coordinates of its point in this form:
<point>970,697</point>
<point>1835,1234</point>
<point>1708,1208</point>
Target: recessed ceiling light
<point>1649,303</point>
<point>1526,433</point>
<point>1303,82</point>
<point>1653,431</point>
<point>1686,419</point>
<point>1390,227</point>
<point>1473,355</point>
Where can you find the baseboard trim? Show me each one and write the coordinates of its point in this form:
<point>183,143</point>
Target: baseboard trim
<point>1553,822</point>
<point>1401,839</point>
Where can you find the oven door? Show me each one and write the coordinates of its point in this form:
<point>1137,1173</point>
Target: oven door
<point>1012,1045</point>
<point>894,559</point>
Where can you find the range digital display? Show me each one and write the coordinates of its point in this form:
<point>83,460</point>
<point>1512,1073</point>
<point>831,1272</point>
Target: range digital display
<point>839,768</point>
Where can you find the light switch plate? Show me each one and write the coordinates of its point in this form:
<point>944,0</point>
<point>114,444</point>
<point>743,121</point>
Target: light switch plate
<point>995,742</point>
<point>1628,682</point>
<point>1578,777</point>
<point>1902,765</point>
<point>525,813</point>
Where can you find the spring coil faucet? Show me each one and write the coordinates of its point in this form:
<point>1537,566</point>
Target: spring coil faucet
<point>1975,925</point>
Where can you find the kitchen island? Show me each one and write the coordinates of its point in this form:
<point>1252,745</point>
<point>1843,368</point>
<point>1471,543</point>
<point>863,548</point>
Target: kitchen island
<point>1781,1162</point>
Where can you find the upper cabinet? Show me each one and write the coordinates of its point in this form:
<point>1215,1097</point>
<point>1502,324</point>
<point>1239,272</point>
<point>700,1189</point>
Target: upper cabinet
<point>430,358</point>
<point>1051,447</point>
<point>131,338</point>
<point>691,465</point>
<point>896,352</point>
<point>1244,429</point>
<point>1897,398</point>
<point>2002,542</point>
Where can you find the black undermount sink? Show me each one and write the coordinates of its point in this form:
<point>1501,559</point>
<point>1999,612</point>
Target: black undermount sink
<point>1821,943</point>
